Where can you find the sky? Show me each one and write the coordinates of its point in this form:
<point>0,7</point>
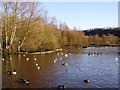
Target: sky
<point>84,15</point>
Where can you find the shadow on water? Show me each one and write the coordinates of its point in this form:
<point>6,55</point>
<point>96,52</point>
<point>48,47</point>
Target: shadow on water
<point>70,68</point>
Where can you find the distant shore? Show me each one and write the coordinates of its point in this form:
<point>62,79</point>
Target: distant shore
<point>57,50</point>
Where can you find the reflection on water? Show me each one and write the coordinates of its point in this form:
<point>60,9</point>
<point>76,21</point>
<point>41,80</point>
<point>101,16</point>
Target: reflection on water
<point>69,68</point>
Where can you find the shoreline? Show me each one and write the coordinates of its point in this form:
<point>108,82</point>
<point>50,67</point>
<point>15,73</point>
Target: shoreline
<point>35,52</point>
<point>52,51</point>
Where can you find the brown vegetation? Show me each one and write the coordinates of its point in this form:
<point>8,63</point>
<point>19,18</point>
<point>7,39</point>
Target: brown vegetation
<point>24,28</point>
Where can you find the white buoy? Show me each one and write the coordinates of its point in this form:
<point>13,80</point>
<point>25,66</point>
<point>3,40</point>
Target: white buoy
<point>27,59</point>
<point>10,58</point>
<point>36,64</point>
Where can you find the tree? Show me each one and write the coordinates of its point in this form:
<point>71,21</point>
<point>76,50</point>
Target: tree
<point>22,14</point>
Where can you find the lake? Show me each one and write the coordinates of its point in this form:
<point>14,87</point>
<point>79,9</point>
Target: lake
<point>70,68</point>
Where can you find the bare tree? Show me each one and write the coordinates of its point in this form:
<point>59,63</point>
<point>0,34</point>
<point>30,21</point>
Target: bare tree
<point>23,14</point>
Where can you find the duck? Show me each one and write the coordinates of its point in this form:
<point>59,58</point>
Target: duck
<point>66,64</point>
<point>62,53</point>
<point>36,64</point>
<point>24,81</point>
<point>35,59</point>
<point>87,81</point>
<point>10,58</point>
<point>88,54</point>
<point>38,67</point>
<point>63,63</point>
<point>66,55</point>
<point>3,59</point>
<point>116,59</point>
<point>10,73</point>
<point>14,72</point>
<point>54,61</point>
<point>27,59</point>
<point>58,54</point>
<point>60,87</point>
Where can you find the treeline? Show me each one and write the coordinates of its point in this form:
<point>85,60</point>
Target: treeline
<point>101,31</point>
<point>25,28</point>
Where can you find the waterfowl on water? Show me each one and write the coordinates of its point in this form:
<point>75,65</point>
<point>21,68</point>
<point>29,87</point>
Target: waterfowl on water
<point>38,67</point>
<point>24,81</point>
<point>62,53</point>
<point>27,59</point>
<point>60,87</point>
<point>14,72</point>
<point>66,55</point>
<point>87,81</point>
<point>35,58</point>
<point>64,63</point>
<point>116,58</point>
<point>10,73</point>
<point>88,53</point>
<point>54,61</point>
<point>36,64</point>
<point>58,54</point>
<point>3,59</point>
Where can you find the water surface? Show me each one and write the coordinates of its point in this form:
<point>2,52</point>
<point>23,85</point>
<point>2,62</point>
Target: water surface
<point>101,69</point>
